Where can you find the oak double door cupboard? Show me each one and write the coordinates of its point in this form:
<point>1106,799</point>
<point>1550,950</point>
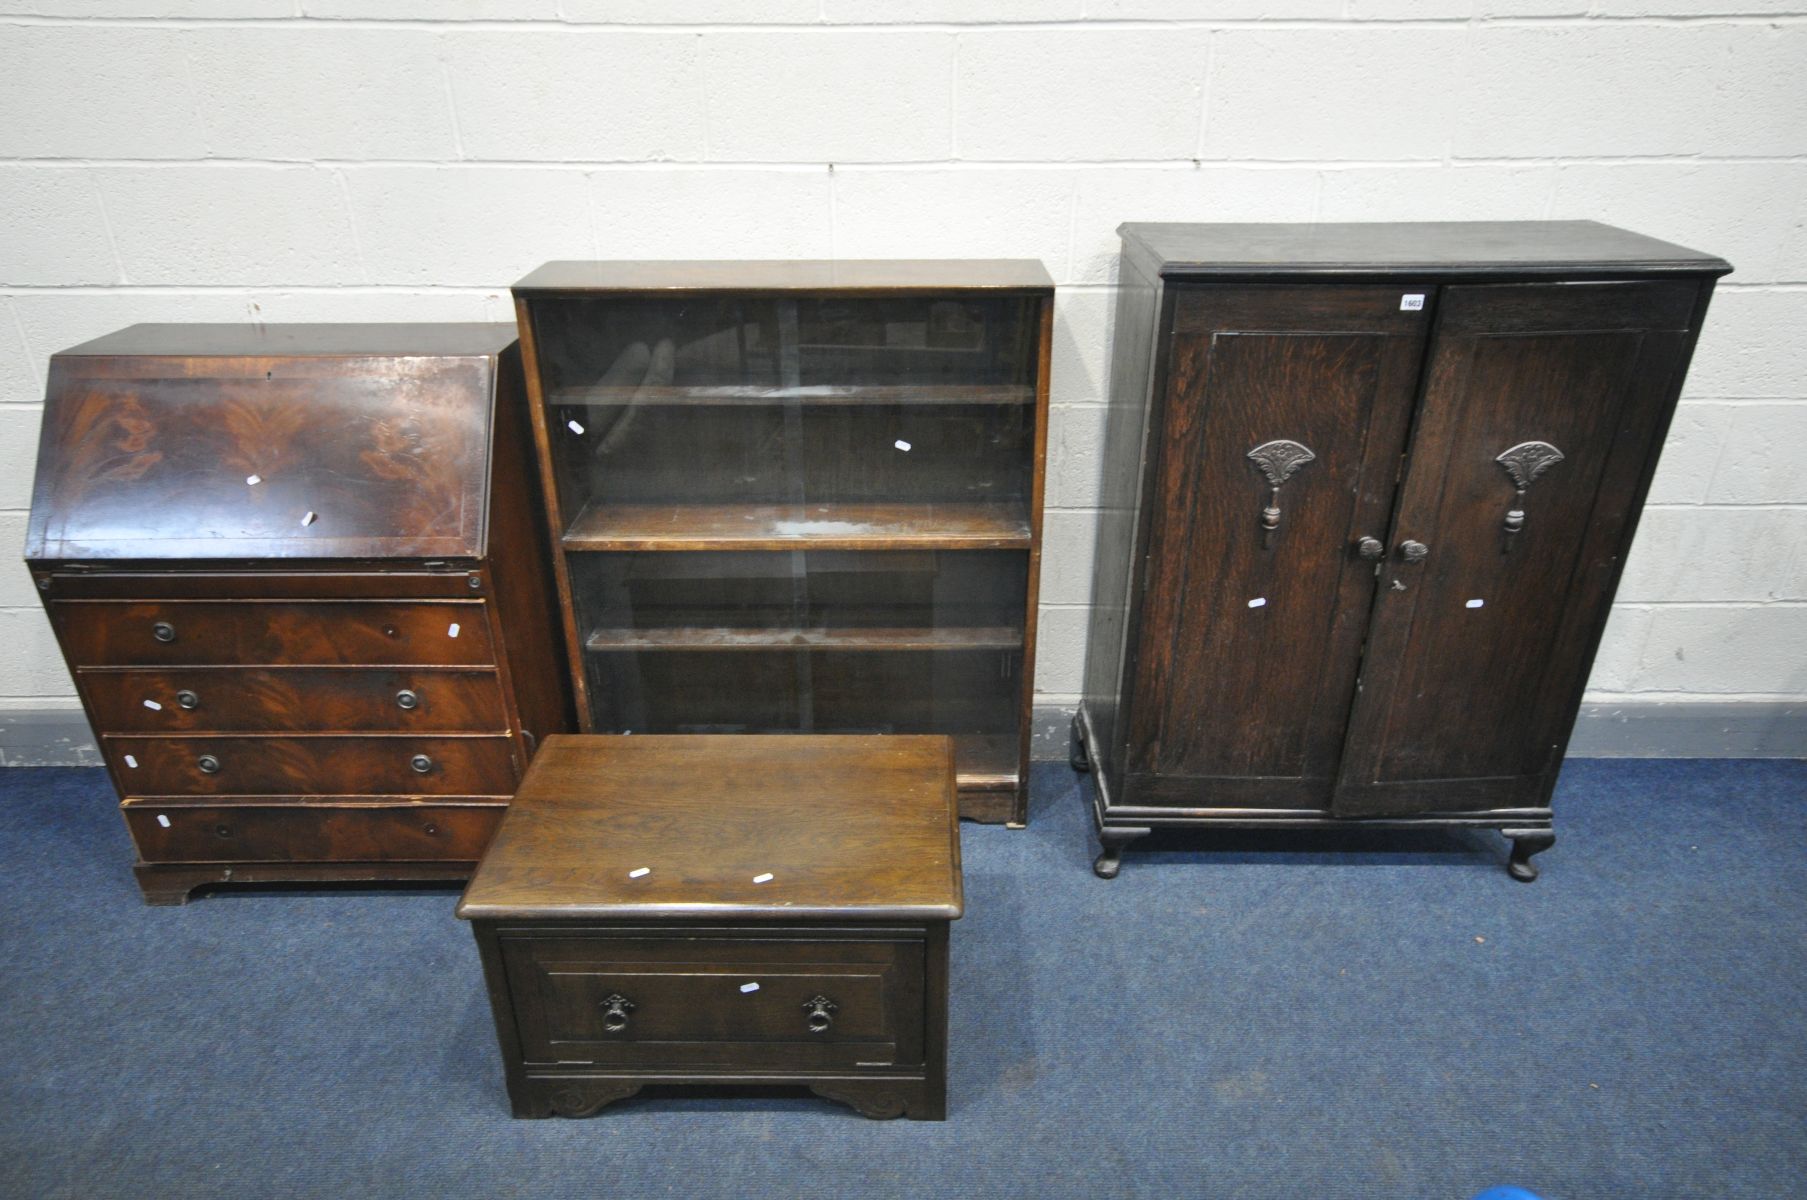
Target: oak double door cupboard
<point>1368,491</point>
<point>798,497</point>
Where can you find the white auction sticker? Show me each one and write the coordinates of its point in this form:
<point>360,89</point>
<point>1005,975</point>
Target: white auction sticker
<point>163,820</point>
<point>1411,302</point>
<point>639,871</point>
<point>1258,601</point>
<point>574,427</point>
<point>1474,603</point>
<point>749,987</point>
<point>453,631</point>
<point>153,706</point>
<point>766,878</point>
<point>901,444</point>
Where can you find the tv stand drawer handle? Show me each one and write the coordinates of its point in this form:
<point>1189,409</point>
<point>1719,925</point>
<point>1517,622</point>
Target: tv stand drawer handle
<point>819,1013</point>
<point>615,1008</point>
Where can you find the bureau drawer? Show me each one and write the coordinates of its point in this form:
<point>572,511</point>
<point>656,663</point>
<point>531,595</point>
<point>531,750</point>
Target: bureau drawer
<point>317,766</point>
<point>279,699</point>
<point>691,1002</point>
<point>311,832</point>
<point>106,633</point>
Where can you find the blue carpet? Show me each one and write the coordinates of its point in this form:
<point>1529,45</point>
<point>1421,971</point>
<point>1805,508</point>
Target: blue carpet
<point>1362,1016</point>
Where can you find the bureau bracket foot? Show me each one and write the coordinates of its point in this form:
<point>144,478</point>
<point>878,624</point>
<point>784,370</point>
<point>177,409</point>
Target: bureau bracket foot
<point>887,1099</point>
<point>1525,843</point>
<point>1108,863</point>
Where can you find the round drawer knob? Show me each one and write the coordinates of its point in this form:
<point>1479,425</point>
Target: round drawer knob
<point>819,1013</point>
<point>224,831</point>
<point>188,700</point>
<point>209,764</point>
<point>421,764</point>
<point>1414,551</point>
<point>432,830</point>
<point>407,698</point>
<point>163,631</point>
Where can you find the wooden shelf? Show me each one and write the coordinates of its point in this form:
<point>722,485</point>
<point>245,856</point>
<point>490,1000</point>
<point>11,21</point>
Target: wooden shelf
<point>825,394</point>
<point>845,526</point>
<point>861,638</point>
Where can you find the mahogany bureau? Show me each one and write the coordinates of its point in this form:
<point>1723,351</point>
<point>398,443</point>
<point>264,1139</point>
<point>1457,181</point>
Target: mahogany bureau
<point>298,574</point>
<point>724,909</point>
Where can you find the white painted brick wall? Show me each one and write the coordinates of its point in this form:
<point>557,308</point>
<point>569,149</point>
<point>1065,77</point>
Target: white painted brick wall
<point>368,160</point>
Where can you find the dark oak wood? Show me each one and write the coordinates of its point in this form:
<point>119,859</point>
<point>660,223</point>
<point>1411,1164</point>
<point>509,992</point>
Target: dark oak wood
<point>790,427</point>
<point>1301,618</point>
<point>298,574</point>
<point>723,910</point>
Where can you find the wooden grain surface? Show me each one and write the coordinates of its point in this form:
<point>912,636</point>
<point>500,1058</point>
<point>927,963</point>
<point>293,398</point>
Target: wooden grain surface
<point>847,826</point>
<point>834,526</point>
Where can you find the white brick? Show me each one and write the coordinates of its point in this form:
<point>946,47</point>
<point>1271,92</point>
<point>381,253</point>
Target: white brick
<point>74,91</point>
<point>1109,196</point>
<point>16,587</point>
<point>1067,94</point>
<point>321,92</point>
<point>470,226</point>
<point>986,213</point>
<point>712,213</point>
<point>433,10</point>
<point>238,224</point>
<point>1765,457</point>
<point>955,11</point>
<point>1080,373</point>
<point>19,380</point>
<point>1751,214</point>
<point>1691,8</point>
<point>1435,193</point>
<point>1621,647</point>
<point>365,307</point>
<point>1217,10</point>
<point>1751,347</point>
<point>54,232</point>
<point>1060,638</point>
<point>55,321</point>
<point>148,8</point>
<point>1690,452</point>
<point>700,12</point>
<point>577,95</point>
<point>1067,545</point>
<point>1725,649</point>
<point>1420,10</point>
<point>1625,89</point>
<point>1075,456</point>
<point>1332,94</point>
<point>32,664</point>
<point>830,97</point>
<point>1698,554</point>
<point>18,459</point>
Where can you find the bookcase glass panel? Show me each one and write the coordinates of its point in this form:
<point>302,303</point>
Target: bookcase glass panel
<point>809,641</point>
<point>898,412</point>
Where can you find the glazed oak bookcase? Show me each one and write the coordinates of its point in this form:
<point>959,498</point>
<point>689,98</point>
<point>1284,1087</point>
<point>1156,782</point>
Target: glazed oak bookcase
<point>798,497</point>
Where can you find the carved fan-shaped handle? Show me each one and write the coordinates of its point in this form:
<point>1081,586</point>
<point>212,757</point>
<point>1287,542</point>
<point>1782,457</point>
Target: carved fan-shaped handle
<point>1524,463</point>
<point>1277,460</point>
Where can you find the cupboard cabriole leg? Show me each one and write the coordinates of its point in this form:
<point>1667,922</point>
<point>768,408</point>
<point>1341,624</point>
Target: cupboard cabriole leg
<point>1110,861</point>
<point>1525,843</point>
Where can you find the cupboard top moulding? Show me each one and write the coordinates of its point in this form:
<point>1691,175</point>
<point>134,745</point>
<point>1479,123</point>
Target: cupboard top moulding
<point>1432,251</point>
<point>253,443</point>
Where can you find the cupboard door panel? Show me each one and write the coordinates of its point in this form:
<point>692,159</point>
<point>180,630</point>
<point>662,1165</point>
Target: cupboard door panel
<point>1284,421</point>
<point>1541,405</point>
